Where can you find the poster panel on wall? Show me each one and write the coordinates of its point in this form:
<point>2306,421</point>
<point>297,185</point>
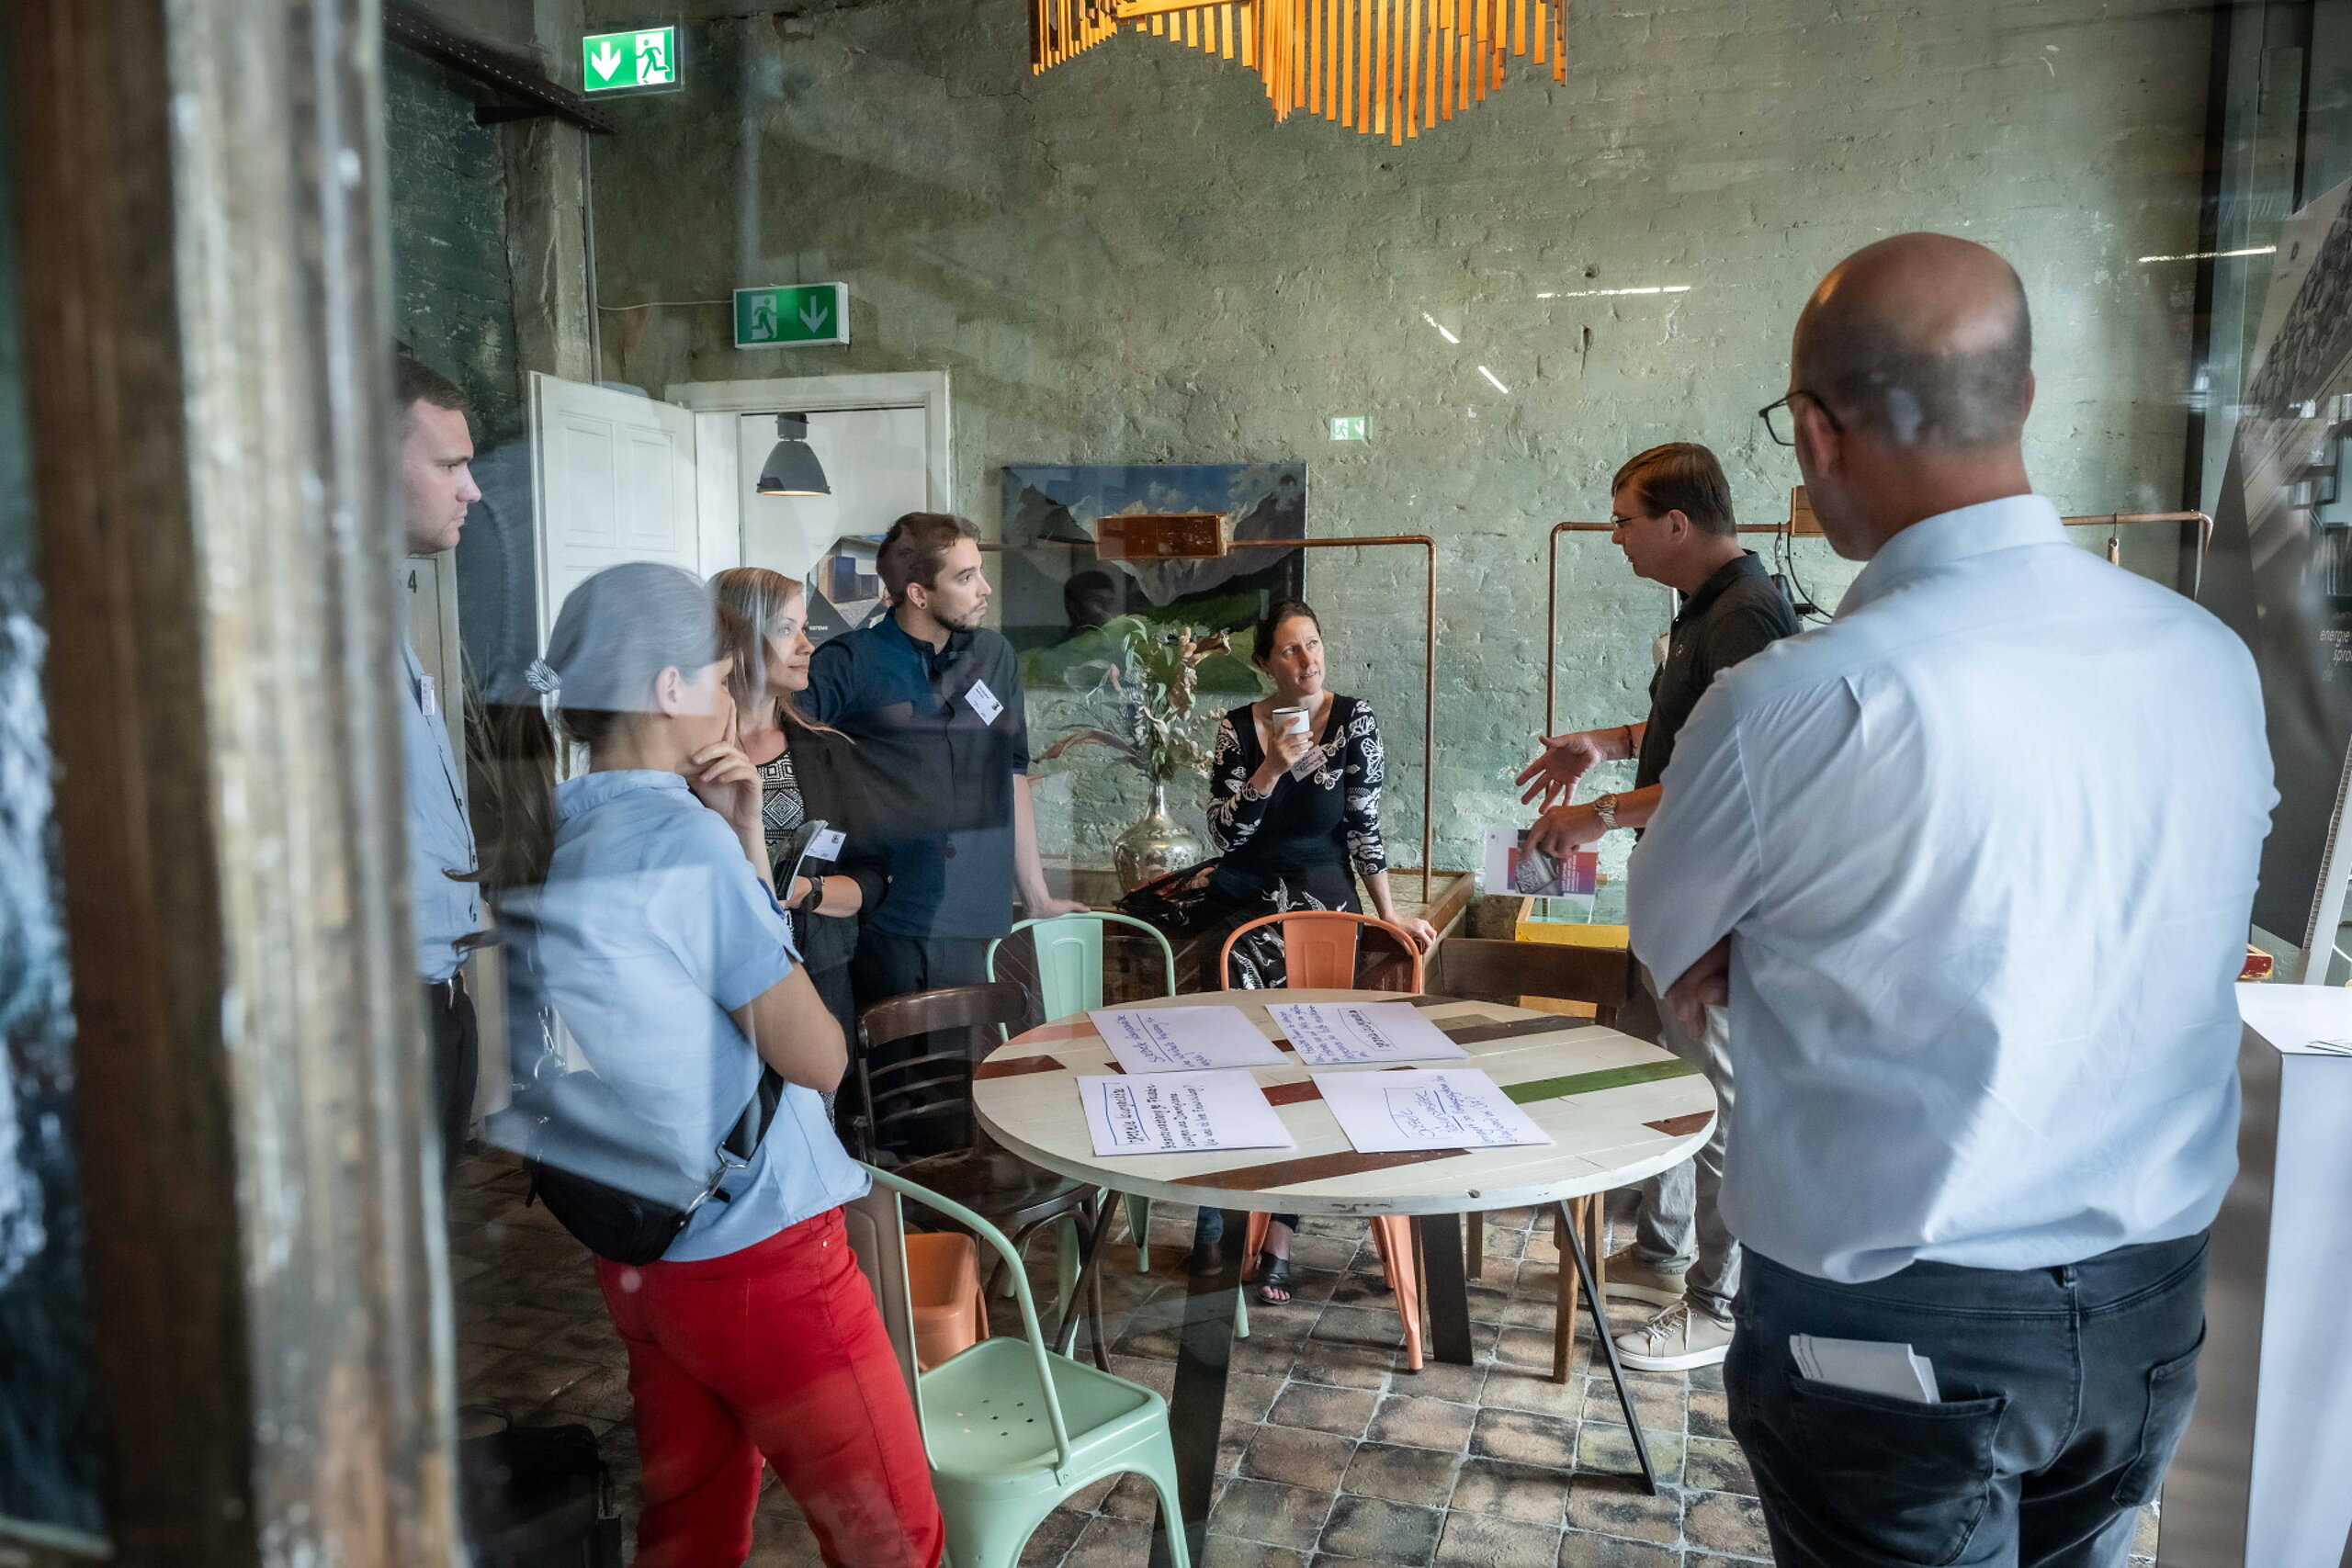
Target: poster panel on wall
<point>1056,591</point>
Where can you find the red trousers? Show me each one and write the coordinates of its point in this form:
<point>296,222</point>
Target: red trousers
<point>778,1351</point>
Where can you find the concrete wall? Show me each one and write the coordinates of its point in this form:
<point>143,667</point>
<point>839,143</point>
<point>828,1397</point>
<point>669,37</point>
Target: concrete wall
<point>1127,261</point>
<point>452,302</point>
<point>474,211</point>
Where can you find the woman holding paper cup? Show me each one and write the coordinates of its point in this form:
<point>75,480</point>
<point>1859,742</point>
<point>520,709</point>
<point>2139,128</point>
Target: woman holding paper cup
<point>804,777</point>
<point>1295,804</point>
<point>1295,787</point>
<point>1295,796</point>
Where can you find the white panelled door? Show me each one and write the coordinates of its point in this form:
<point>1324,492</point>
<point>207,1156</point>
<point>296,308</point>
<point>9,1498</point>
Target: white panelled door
<point>616,482</point>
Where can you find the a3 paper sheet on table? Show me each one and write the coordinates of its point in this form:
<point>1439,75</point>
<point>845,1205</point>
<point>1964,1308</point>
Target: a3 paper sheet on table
<point>1187,1088</point>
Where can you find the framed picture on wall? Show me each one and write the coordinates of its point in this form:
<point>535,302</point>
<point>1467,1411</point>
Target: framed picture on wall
<point>1056,591</point>
<point>844,589</point>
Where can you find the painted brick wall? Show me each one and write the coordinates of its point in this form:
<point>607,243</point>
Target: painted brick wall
<point>1127,261</point>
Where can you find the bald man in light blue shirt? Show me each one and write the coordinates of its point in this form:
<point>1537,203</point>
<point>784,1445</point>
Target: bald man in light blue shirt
<point>1972,870</point>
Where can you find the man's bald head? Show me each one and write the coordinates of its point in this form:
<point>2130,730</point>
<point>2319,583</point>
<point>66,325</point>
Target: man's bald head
<point>1922,340</point>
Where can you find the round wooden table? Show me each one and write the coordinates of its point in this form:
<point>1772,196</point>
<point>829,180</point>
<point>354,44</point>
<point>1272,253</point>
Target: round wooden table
<point>1617,1109</point>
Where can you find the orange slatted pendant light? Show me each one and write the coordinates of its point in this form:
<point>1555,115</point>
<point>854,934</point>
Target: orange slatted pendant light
<point>1388,68</point>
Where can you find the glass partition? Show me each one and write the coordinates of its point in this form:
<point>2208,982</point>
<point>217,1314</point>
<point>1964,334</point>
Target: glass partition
<point>1190,311</point>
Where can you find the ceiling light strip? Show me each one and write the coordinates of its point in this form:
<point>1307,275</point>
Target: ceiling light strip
<point>2214,255</point>
<point>1612,293</point>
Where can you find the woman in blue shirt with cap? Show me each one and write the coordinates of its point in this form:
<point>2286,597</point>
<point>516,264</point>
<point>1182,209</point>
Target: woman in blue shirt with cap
<point>643,890</point>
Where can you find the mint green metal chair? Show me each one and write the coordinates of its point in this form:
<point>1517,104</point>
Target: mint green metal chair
<point>1012,1429</point>
<point>1069,982</point>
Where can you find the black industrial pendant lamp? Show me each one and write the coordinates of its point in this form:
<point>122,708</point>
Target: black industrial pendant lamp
<point>792,468</point>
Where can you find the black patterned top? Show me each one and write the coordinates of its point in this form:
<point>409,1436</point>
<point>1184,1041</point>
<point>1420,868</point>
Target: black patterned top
<point>781,807</point>
<point>1330,818</point>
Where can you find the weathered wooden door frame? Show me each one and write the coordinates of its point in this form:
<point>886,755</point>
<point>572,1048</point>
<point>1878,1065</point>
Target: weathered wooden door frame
<point>207,345</point>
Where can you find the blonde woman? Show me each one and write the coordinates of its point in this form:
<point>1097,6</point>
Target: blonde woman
<point>804,776</point>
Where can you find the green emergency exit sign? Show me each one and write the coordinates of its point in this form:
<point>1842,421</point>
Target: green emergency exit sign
<point>805,312</point>
<point>610,62</point>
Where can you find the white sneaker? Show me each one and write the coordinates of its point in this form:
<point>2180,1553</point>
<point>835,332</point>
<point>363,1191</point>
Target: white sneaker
<point>1627,1278</point>
<point>1675,1340</point>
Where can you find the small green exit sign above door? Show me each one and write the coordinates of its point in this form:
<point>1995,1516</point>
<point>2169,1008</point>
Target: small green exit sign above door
<point>612,63</point>
<point>1348,427</point>
<point>801,313</point>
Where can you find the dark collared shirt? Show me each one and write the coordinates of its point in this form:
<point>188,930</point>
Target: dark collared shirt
<point>1735,612</point>
<point>936,774</point>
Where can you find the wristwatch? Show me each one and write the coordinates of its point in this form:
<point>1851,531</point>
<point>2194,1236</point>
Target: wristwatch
<point>1606,809</point>
<point>810,900</point>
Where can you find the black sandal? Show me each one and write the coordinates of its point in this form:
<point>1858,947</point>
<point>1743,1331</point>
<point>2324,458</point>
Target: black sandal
<point>1273,1283</point>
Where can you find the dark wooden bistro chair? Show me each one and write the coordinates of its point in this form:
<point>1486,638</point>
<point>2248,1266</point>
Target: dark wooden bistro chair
<point>931,1094</point>
<point>1480,970</point>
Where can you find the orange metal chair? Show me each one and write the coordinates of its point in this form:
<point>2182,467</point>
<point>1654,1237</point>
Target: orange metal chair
<point>1320,954</point>
<point>1393,1234</point>
<point>1320,948</point>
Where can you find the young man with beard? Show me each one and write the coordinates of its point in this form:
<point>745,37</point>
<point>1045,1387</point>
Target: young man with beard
<point>932,700</point>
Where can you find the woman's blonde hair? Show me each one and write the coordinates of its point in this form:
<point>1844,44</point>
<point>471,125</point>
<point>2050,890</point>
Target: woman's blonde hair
<point>755,600</point>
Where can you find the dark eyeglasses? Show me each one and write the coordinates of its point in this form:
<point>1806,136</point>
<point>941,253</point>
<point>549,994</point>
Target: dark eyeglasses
<point>1776,414</point>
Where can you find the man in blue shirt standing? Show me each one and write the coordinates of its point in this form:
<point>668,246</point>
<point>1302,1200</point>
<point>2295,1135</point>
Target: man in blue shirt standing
<point>1977,927</point>
<point>933,700</point>
<point>436,485</point>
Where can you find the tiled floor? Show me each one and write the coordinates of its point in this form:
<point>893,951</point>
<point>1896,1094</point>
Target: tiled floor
<point>1333,1455</point>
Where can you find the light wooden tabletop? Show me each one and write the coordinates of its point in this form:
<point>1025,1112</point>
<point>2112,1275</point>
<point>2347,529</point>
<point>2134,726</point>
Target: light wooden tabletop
<point>1618,1110</point>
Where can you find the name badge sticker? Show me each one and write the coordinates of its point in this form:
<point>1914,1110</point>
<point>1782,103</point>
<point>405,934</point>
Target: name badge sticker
<point>983,702</point>
<point>426,698</point>
<point>826,845</point>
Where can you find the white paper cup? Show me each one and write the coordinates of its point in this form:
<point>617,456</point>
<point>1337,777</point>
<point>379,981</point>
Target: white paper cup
<point>1289,721</point>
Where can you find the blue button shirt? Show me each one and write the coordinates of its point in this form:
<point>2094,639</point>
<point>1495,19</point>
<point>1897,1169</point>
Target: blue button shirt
<point>440,839</point>
<point>1986,849</point>
<point>651,929</point>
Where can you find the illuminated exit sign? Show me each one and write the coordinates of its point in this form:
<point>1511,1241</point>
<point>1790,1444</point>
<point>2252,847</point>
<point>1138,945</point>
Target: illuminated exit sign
<point>805,312</point>
<point>613,63</point>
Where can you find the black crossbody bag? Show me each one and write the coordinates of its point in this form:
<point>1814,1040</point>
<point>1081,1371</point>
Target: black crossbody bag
<point>569,1124</point>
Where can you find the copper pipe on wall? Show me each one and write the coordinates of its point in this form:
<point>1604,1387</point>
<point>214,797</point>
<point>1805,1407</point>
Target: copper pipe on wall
<point>1429,670</point>
<point>1552,613</point>
<point>2109,520</point>
<point>2119,519</point>
<point>1552,602</point>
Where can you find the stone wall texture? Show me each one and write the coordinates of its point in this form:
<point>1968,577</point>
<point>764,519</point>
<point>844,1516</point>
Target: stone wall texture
<point>452,300</point>
<point>1127,261</point>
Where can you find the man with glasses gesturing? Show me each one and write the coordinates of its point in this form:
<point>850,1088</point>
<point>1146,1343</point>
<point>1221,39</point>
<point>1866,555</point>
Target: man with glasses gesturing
<point>1671,513</point>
